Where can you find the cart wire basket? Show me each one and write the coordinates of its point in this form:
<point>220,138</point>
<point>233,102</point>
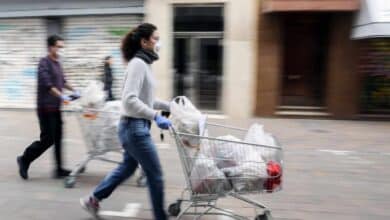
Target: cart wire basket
<point>217,167</point>
<point>99,132</point>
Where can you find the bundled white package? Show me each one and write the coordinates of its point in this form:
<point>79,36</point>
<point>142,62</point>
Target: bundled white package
<point>251,172</point>
<point>249,175</point>
<point>93,95</point>
<point>242,164</point>
<point>187,119</point>
<point>206,178</point>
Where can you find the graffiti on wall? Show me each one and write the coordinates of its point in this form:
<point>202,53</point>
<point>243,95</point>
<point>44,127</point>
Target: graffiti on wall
<point>118,31</point>
<point>88,42</point>
<point>21,44</point>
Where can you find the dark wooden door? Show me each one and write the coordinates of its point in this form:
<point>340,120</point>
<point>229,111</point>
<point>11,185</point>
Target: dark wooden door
<point>305,43</point>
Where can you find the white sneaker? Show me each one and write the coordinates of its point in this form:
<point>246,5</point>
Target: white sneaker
<point>91,205</point>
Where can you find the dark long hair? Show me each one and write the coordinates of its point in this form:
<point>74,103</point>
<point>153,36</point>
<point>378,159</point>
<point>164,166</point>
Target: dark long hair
<point>131,43</point>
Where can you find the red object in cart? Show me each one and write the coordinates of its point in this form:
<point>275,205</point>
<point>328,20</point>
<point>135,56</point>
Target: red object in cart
<point>274,170</point>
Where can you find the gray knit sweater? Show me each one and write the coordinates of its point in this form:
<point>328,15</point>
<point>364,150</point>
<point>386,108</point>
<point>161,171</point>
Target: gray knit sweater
<point>138,99</point>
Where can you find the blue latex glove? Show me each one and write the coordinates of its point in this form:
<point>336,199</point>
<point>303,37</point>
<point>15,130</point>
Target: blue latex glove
<point>162,122</point>
<point>65,98</point>
<point>75,95</point>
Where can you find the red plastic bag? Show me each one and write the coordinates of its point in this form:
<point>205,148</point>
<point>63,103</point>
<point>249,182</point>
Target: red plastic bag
<point>274,182</point>
<point>274,169</point>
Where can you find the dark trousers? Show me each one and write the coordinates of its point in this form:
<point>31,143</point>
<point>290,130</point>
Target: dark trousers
<point>108,89</point>
<point>51,133</point>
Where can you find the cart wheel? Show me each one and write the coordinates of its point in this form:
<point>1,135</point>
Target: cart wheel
<point>83,170</point>
<point>265,216</point>
<point>69,182</point>
<point>174,209</point>
<point>161,136</point>
<point>141,181</point>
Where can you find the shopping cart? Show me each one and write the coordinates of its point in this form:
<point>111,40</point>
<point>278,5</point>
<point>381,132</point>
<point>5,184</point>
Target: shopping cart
<point>200,196</point>
<point>96,135</point>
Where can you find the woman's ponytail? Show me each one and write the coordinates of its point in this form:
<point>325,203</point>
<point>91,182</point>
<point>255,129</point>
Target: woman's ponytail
<point>131,43</point>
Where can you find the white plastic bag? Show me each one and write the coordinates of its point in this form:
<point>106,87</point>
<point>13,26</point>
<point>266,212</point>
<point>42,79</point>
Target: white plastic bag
<point>248,176</point>
<point>227,154</point>
<point>93,95</point>
<point>241,163</point>
<point>112,106</point>
<point>110,116</point>
<point>187,119</point>
<point>206,178</point>
<point>257,135</point>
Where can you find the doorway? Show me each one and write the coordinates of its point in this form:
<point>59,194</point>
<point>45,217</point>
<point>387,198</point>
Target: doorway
<point>198,54</point>
<point>305,58</point>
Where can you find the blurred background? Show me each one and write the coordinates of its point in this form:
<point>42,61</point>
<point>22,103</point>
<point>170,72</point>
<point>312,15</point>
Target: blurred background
<point>240,61</point>
<point>242,58</point>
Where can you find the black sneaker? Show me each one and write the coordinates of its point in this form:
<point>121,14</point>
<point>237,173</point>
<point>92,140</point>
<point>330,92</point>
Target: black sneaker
<point>62,173</point>
<point>91,205</point>
<point>23,168</point>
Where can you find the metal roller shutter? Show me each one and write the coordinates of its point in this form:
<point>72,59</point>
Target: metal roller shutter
<point>374,66</point>
<point>88,40</point>
<point>22,43</point>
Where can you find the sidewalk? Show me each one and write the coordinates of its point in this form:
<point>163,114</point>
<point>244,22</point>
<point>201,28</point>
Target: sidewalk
<point>333,170</point>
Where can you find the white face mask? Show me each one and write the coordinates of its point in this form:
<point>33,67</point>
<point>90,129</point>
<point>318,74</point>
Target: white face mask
<point>157,47</point>
<point>61,52</point>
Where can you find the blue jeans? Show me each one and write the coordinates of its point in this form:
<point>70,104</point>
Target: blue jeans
<point>134,135</point>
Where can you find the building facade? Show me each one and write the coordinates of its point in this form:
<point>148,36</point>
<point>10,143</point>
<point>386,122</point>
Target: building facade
<point>372,31</point>
<point>209,53</point>
<point>323,58</point>
<point>242,58</point>
<point>307,60</point>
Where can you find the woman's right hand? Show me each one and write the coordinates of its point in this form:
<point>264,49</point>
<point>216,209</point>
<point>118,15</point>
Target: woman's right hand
<point>162,122</point>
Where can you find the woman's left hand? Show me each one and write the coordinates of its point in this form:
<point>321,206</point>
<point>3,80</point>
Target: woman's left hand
<point>162,122</point>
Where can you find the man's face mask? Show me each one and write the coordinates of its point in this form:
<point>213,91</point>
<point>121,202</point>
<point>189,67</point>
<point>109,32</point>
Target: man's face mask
<point>61,52</point>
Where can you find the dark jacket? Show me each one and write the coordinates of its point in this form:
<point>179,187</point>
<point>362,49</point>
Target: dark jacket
<point>107,79</point>
<point>50,74</point>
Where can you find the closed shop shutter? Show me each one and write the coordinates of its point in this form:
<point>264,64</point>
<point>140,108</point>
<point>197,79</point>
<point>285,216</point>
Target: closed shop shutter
<point>89,39</point>
<point>22,44</point>
<point>374,66</point>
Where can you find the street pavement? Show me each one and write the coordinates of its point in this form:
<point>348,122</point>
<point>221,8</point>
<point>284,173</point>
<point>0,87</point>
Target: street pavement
<point>334,169</point>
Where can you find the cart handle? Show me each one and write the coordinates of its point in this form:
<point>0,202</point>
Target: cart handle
<point>226,126</point>
<point>223,140</point>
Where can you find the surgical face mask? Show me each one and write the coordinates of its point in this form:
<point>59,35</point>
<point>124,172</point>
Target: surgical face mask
<point>157,47</point>
<point>61,52</point>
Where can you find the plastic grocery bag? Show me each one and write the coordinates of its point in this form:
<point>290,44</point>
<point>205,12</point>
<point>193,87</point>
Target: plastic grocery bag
<point>112,106</point>
<point>110,116</point>
<point>250,171</point>
<point>187,119</point>
<point>206,178</point>
<point>272,157</point>
<point>227,154</point>
<point>93,95</point>
<point>257,135</point>
<point>275,173</point>
<point>248,176</point>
